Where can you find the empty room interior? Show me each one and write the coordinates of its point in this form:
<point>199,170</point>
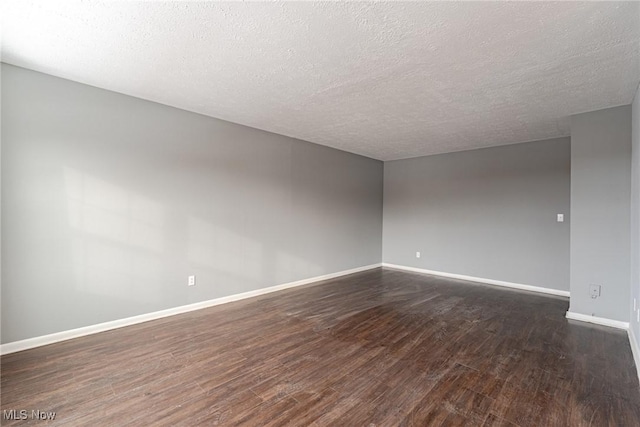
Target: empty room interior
<point>320,213</point>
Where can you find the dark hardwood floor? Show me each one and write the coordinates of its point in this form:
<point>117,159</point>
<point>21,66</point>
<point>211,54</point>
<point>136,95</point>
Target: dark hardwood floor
<point>378,348</point>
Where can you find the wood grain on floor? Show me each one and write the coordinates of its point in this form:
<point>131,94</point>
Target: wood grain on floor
<point>377,348</point>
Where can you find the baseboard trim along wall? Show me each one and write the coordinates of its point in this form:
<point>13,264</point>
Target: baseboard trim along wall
<point>635,350</point>
<point>26,344</point>
<point>598,320</point>
<point>480,280</point>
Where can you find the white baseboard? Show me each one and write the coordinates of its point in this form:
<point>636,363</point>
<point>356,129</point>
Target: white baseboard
<point>26,344</point>
<point>635,350</point>
<point>480,280</point>
<point>598,320</point>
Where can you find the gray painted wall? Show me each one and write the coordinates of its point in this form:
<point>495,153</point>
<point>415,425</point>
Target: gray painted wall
<point>635,214</point>
<point>487,213</point>
<point>600,208</point>
<point>109,202</point>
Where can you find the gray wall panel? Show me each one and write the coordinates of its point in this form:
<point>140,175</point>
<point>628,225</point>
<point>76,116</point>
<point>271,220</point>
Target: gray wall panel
<point>110,202</point>
<point>487,213</point>
<point>600,206</point>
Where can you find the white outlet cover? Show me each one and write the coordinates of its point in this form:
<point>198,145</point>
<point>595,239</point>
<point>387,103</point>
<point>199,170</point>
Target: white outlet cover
<point>417,254</point>
<point>192,281</point>
<point>560,217</point>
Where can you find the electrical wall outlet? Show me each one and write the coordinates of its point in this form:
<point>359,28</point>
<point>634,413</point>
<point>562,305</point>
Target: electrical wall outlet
<point>594,291</point>
<point>191,281</point>
<point>417,254</point>
<point>560,218</point>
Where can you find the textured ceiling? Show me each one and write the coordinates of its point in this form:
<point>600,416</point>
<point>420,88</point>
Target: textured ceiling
<point>385,80</point>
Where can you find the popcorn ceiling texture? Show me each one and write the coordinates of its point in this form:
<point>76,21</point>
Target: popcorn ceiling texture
<point>385,80</point>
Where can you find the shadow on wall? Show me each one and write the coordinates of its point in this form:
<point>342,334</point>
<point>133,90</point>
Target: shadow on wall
<point>120,247</point>
<point>104,218</point>
<point>221,250</point>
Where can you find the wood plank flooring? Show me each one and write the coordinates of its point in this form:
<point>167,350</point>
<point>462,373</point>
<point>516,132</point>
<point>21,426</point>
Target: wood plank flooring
<point>378,348</point>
